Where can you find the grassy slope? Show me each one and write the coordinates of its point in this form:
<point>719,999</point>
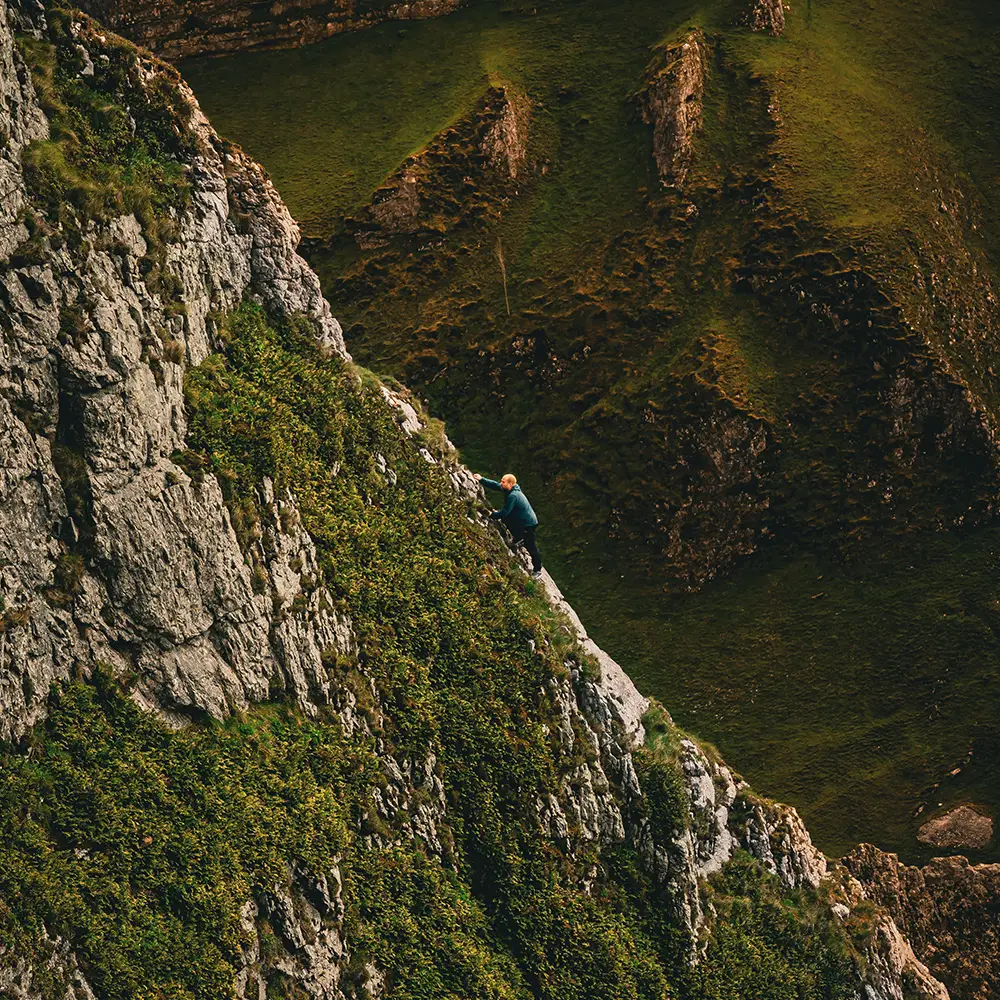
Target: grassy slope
<point>832,703</point>
<point>139,844</point>
<point>327,108</point>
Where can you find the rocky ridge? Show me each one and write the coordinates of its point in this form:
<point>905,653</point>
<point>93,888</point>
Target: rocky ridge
<point>465,176</point>
<point>121,553</point>
<point>918,341</point>
<point>949,910</point>
<point>671,101</point>
<point>176,29</point>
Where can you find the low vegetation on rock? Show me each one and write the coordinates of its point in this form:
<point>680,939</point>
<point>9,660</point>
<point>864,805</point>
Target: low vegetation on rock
<point>283,716</point>
<point>756,412</point>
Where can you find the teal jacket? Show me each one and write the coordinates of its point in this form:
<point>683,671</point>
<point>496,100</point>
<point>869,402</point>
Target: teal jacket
<point>517,513</point>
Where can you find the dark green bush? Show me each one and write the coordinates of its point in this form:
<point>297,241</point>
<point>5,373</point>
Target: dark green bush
<point>139,844</point>
<point>771,944</point>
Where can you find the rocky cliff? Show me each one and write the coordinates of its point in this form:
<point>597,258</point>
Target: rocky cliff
<point>179,28</point>
<point>206,507</point>
<point>949,909</point>
<point>764,15</point>
<point>100,317</point>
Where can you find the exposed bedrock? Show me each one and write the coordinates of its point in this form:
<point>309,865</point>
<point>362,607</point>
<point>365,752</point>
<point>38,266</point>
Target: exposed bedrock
<point>111,552</point>
<point>175,29</point>
<point>949,910</point>
<point>764,15</point>
<point>671,98</point>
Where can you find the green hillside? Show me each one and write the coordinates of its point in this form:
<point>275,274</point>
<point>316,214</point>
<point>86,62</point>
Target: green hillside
<point>282,716</point>
<point>837,643</point>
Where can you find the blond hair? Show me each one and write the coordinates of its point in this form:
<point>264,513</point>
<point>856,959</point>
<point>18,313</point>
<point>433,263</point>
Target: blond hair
<point>509,477</point>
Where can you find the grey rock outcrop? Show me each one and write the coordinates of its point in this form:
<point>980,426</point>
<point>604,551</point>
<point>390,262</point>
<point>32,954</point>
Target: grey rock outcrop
<point>306,915</point>
<point>964,827</point>
<point>111,552</point>
<point>765,15</point>
<point>893,972</point>
<point>505,144</point>
<point>19,979</point>
<point>23,122</point>
<point>671,99</point>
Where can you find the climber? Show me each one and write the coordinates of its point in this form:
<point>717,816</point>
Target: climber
<point>518,516</point>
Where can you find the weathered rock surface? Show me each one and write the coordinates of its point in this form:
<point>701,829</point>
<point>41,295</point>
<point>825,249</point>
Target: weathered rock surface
<point>765,15</point>
<point>20,981</point>
<point>671,100</point>
<point>23,122</point>
<point>505,144</point>
<point>949,910</point>
<point>894,972</point>
<point>965,826</point>
<point>175,29</point>
<point>138,566</point>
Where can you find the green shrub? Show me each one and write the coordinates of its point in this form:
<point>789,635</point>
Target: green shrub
<point>658,766</point>
<point>771,944</point>
<point>422,928</point>
<point>140,844</point>
<point>118,138</point>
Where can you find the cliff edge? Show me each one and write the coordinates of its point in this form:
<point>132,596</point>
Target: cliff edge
<point>283,716</point>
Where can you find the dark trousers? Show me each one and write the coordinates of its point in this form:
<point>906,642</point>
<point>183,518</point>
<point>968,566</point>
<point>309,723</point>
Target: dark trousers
<point>526,537</point>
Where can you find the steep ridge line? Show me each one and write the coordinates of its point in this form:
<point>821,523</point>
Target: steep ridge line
<point>122,551</point>
<point>176,29</point>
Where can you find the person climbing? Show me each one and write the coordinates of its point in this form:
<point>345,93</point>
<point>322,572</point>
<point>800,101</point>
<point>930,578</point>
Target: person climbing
<point>518,516</point>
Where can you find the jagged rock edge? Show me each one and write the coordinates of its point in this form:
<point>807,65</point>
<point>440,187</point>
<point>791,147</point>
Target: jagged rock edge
<point>607,708</point>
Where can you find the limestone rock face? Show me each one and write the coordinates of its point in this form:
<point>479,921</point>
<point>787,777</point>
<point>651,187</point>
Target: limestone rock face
<point>112,553</point>
<point>765,15</point>
<point>18,977</point>
<point>505,144</point>
<point>949,910</point>
<point>893,971</point>
<point>671,101</point>
<point>23,123</point>
<point>115,552</point>
<point>178,28</point>
<point>726,816</point>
